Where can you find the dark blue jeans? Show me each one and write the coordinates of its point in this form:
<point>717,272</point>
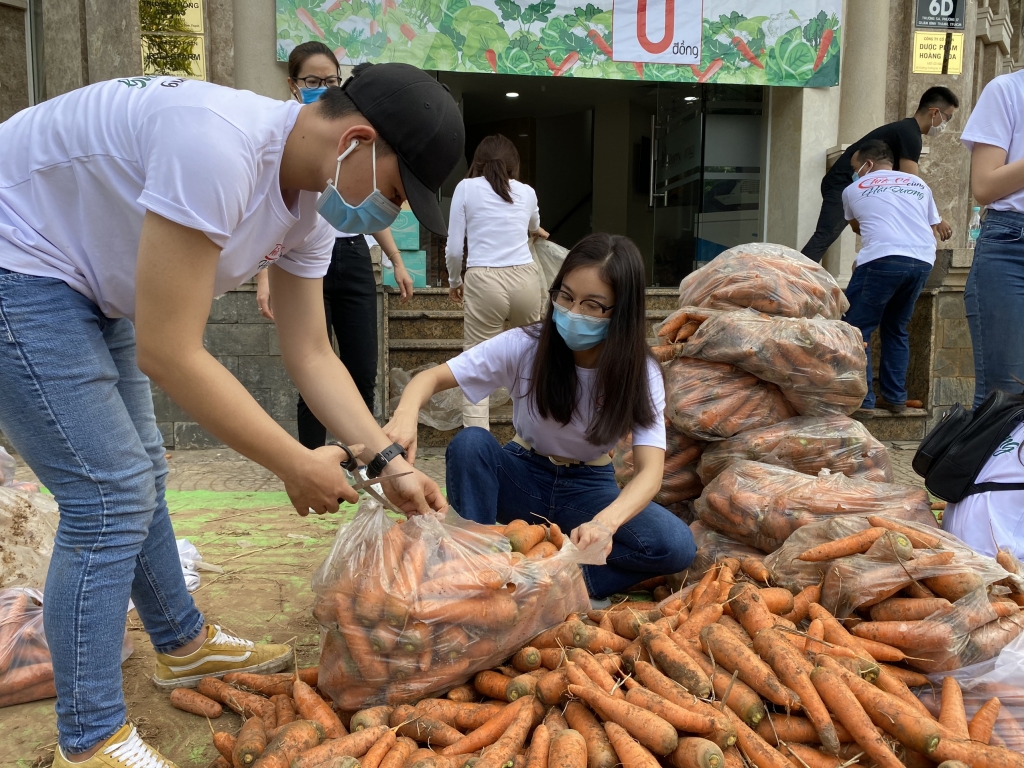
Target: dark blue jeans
<point>489,483</point>
<point>994,299</point>
<point>882,295</point>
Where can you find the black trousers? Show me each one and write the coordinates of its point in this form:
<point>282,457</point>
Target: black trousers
<point>350,303</point>
<point>831,219</point>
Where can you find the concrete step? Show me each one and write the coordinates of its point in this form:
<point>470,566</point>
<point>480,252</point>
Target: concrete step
<point>424,298</point>
<point>663,298</point>
<point>890,427</point>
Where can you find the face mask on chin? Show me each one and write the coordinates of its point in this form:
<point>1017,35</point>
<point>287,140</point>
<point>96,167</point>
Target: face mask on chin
<point>375,213</point>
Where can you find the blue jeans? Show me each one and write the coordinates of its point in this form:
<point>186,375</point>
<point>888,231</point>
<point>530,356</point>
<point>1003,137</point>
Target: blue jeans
<point>994,299</point>
<point>489,483</point>
<point>882,295</point>
<point>79,411</point>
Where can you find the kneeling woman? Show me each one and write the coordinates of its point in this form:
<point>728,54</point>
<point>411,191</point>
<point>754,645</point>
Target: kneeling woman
<point>581,380</point>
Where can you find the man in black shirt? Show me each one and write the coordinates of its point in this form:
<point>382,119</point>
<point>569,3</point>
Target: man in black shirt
<point>903,137</point>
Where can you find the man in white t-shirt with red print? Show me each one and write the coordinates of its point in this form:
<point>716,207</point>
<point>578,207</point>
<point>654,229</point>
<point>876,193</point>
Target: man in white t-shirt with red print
<point>895,215</point>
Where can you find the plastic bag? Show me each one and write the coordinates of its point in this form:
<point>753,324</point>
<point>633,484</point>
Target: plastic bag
<point>189,557</point>
<point>26,671</point>
<point>28,525</point>
<point>679,482</point>
<point>409,610</point>
<point>548,257</point>
<point>806,444</point>
<point>713,546</point>
<point>7,467</point>
<point>770,278</point>
<point>762,505</point>
<point>444,411</point>
<point>713,401</point>
<point>819,365</point>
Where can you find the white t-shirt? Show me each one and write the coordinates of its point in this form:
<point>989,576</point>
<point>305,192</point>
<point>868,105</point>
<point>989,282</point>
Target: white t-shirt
<point>507,360</point>
<point>1000,514</point>
<point>896,212</point>
<point>998,119</point>
<point>498,231</point>
<point>79,172</point>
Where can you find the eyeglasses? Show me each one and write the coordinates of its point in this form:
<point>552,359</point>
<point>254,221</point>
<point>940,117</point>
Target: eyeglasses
<point>318,82</point>
<point>587,306</point>
<point>945,118</point>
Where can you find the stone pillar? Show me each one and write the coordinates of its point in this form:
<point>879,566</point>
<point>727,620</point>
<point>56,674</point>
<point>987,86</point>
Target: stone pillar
<point>13,60</point>
<point>255,36</point>
<point>220,41</point>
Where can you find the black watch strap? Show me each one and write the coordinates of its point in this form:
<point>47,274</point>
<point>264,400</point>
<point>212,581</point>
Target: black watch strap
<point>382,459</point>
<point>350,464</point>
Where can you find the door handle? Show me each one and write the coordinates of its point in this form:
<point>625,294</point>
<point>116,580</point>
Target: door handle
<point>654,154</point>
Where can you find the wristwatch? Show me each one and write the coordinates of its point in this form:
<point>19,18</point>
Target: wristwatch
<point>382,459</point>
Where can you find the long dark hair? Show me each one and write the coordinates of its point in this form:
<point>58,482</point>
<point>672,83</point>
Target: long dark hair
<point>622,389</point>
<point>497,160</point>
<point>304,51</point>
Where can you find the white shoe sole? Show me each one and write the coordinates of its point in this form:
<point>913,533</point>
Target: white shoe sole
<point>266,668</point>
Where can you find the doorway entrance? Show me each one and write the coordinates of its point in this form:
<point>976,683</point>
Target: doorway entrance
<point>677,167</point>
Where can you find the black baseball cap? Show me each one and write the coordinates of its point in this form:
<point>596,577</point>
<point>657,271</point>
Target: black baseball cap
<point>417,116</point>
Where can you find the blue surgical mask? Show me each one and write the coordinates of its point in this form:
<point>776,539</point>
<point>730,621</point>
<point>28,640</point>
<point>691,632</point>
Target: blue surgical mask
<point>375,213</point>
<point>579,331</point>
<point>856,174</point>
<point>309,95</point>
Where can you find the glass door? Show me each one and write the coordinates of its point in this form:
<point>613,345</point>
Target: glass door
<point>675,181</point>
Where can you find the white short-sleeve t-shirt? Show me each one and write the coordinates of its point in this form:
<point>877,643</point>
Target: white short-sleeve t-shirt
<point>507,360</point>
<point>896,212</point>
<point>998,119</point>
<point>79,172</point>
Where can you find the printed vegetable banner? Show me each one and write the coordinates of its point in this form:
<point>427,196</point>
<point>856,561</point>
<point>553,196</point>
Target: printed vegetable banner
<point>752,42</point>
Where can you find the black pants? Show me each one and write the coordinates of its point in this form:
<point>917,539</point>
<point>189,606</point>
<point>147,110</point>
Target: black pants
<point>831,220</point>
<point>350,303</point>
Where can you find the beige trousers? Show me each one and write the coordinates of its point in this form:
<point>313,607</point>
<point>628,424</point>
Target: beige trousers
<point>492,297</point>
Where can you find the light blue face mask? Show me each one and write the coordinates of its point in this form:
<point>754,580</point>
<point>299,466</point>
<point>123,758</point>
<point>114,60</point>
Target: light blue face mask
<point>856,174</point>
<point>580,332</point>
<point>309,95</point>
<point>375,213</point>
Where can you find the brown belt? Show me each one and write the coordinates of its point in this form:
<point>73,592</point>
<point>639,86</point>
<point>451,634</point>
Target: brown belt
<point>603,461</point>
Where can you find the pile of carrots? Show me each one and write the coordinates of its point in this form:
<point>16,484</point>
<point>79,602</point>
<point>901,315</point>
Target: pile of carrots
<point>805,444</point>
<point>770,278</point>
<point>929,599</point>
<point>410,608</point>
<point>680,481</point>
<point>716,676</point>
<point>26,672</point>
<point>762,505</point>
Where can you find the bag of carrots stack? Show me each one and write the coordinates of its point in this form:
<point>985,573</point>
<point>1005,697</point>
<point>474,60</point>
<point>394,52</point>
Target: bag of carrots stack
<point>680,481</point>
<point>819,364</point>
<point>408,609</point>
<point>763,505</point>
<point>26,673</point>
<point>770,278</point>
<point>714,401</point>
<point>807,444</point>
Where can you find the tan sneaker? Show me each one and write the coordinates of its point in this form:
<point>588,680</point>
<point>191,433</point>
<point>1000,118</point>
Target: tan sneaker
<point>125,749</point>
<point>220,654</point>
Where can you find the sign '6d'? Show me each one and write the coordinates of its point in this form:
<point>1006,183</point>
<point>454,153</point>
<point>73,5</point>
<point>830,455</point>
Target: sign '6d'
<point>658,31</point>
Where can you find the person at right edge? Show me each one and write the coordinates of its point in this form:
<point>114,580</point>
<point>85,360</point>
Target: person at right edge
<point>936,109</point>
<point>994,296</point>
<point>895,215</point>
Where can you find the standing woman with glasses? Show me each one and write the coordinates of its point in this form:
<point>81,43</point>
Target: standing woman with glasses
<point>350,288</point>
<point>581,380</point>
<point>495,214</point>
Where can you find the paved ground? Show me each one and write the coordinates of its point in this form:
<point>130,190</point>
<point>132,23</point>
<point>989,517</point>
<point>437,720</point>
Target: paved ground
<point>238,515</point>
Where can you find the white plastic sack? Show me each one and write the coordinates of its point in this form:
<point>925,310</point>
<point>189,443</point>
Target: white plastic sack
<point>7,466</point>
<point>189,557</point>
<point>444,411</point>
<point>28,525</point>
<point>548,257</point>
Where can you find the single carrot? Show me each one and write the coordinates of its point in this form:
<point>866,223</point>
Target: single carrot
<point>778,600</point>
<point>188,700</point>
<point>848,545</point>
<point>250,742</point>
<point>491,731</point>
<point>723,646</point>
<point>844,705</point>
<point>629,751</point>
<point>521,685</point>
<point>593,669</point>
<point>600,753</point>
<point>525,539</point>
<point>909,609</point>
<point>596,640</point>
<point>542,551</point>
<point>537,756</point>
<point>463,694</point>
<point>695,752</point>
<point>225,744</point>
<point>553,686</point>
<point>284,709</point>
<point>675,663</point>
<point>265,685</point>
<point>895,686</point>
<point>492,684</point>
<point>951,711</point>
<point>312,707</point>
<point>977,755</point>
<point>650,730</point>
<point>568,750</point>
<point>353,745</point>
<point>464,717</point>
<point>809,757</point>
<point>749,609</point>
<point>289,742</point>
<point>555,721</point>
<point>371,717</point>
<point>690,628</point>
<point>917,538</point>
<point>423,728</point>
<point>794,729</point>
<point>801,603</point>
<point>511,742</point>
<point>526,659</point>
<point>497,611</point>
<point>399,753</point>
<point>755,569</point>
<point>757,751</point>
<point>242,702</point>
<point>984,720</point>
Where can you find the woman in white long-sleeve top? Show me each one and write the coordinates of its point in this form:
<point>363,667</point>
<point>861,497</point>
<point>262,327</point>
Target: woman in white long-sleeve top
<point>495,214</point>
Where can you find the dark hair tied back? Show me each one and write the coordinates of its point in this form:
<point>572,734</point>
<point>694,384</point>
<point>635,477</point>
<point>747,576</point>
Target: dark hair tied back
<point>497,160</point>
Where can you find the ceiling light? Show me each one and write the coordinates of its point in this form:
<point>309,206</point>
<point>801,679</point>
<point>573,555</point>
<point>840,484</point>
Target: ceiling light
<point>512,95</point>
<point>690,98</point>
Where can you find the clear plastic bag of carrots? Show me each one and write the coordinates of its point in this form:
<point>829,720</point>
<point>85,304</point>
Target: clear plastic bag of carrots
<point>26,673</point>
<point>770,278</point>
<point>409,609</point>
<point>713,547</point>
<point>807,444</point>
<point>763,505</point>
<point>714,401</point>
<point>819,364</point>
<point>680,481</point>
